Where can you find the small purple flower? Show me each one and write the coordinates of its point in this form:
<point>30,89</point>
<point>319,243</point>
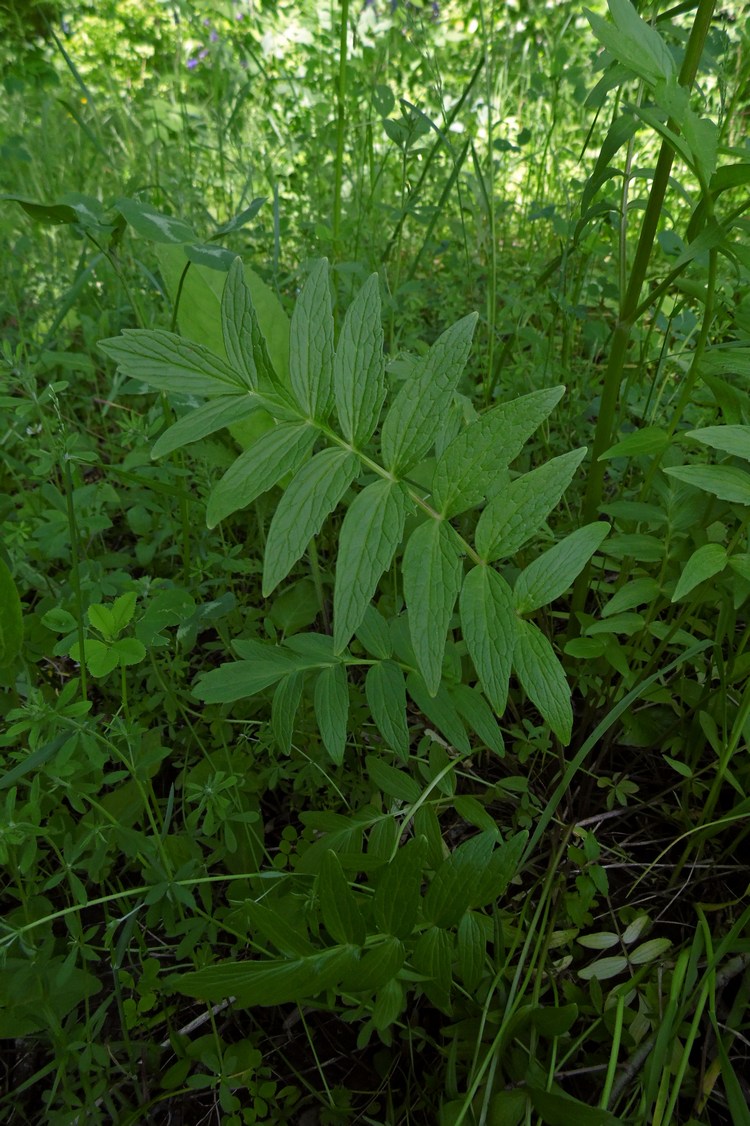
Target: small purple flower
<point>206,23</point>
<point>202,54</point>
<point>214,36</point>
<point>239,15</point>
<point>192,64</point>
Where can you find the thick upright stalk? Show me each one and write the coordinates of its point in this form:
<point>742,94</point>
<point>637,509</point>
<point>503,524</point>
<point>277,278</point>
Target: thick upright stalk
<point>340,128</point>
<point>629,306</point>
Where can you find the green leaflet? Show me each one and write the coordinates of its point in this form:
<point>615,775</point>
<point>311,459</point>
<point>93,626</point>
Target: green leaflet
<point>395,783</point>
<point>478,715</point>
<point>454,885</point>
<point>472,461</point>
<point>440,710</point>
<point>332,709</point>
<point>432,571</point>
<point>377,966</point>
<point>205,420</point>
<point>359,366</point>
<point>635,44</point>
<point>472,950</point>
<point>703,564</point>
<point>311,345</point>
<point>418,411</point>
<point>733,440</point>
<point>315,491</point>
<point>511,518</point>
<point>542,678</point>
<point>558,1109</point>
<point>341,915</point>
<point>374,635</point>
<point>433,954</point>
<point>284,707</point>
<point>552,573</point>
<point>397,898</point>
<point>267,982</point>
<point>385,688</point>
<point>370,533</point>
<point>237,324</point>
<point>238,680</point>
<point>277,929</point>
<point>724,481</point>
<point>170,363</point>
<point>277,452</point>
<point>488,620</point>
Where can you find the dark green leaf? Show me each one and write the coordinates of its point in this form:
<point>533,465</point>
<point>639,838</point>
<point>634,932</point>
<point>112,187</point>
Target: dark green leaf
<point>341,915</point>
<point>359,366</point>
<point>440,711</point>
<point>395,783</point>
<point>332,709</point>
<point>489,622</point>
<point>542,679</point>
<point>279,451</point>
<point>171,363</point>
<point>11,618</point>
<point>547,577</point>
<point>432,571</point>
<point>397,893</point>
<point>385,688</point>
<point>205,420</point>
<point>153,224</point>
<point>311,345</point>
<point>267,982</point>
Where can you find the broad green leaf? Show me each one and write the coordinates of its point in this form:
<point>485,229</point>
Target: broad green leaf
<point>561,1110</point>
<point>284,707</point>
<point>385,689</point>
<point>102,619</point>
<point>389,1003</point>
<point>417,413</point>
<point>311,345</point>
<point>604,968</point>
<point>153,224</point>
<point>703,564</point>
<point>473,460</point>
<point>635,593</point>
<point>129,651</point>
<point>205,420</point>
<point>395,783</point>
<point>373,634</point>
<point>472,950</point>
<point>635,44</point>
<point>237,324</point>
<point>453,886</point>
<point>441,712</point>
<point>488,620</point>
<point>99,657</point>
<point>397,898</point>
<point>341,915</point>
<point>511,518</point>
<point>276,928</point>
<point>377,966</point>
<point>432,570</point>
<point>542,678</point>
<point>11,618</point>
<point>359,366</point>
<point>649,440</point>
<point>170,363</point>
<point>502,866</point>
<point>649,951</point>
<point>370,533</point>
<point>554,1021</point>
<point>238,680</point>
<point>724,481</point>
<point>432,956</point>
<point>332,709</point>
<point>122,610</point>
<point>267,982</point>
<point>547,577</point>
<point>733,440</point>
<point>315,491</point>
<point>478,715</point>
<point>279,451</point>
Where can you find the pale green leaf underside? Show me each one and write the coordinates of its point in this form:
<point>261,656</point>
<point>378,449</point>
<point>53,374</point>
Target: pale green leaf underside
<point>277,452</point>
<point>542,678</point>
<point>489,623</point>
<point>432,571</point>
<point>315,491</point>
<point>703,564</point>
<point>359,366</point>
<point>418,411</point>
<point>311,344</point>
<point>171,363</point>
<point>549,576</point>
<point>204,420</point>
<point>511,518</point>
<point>469,466</point>
<point>370,533</point>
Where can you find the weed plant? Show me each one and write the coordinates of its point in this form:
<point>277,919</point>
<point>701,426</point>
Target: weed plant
<point>375,564</point>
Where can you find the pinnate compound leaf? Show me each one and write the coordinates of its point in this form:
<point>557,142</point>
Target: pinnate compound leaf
<point>385,688</point>
<point>472,461</point>
<point>237,324</point>
<point>332,709</point>
<point>397,896</point>
<point>733,440</point>
<point>370,533</point>
<point>267,982</point>
<point>359,366</point>
<point>418,411</point>
<point>552,573</point>
<point>279,451</point>
<point>726,482</point>
<point>488,620</point>
<point>341,915</point>
<point>11,618</point>
<point>511,518</point>
<point>207,419</point>
<point>315,491</point>
<point>703,564</point>
<point>432,571</point>
<point>543,680</point>
<point>311,345</point>
<point>171,363</point>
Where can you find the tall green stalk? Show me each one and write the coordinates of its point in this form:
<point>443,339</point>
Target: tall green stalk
<point>629,305</point>
<point>340,128</point>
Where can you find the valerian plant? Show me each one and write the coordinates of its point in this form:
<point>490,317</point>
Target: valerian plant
<point>327,415</point>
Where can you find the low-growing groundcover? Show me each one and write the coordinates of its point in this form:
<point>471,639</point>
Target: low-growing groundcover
<point>375,678</point>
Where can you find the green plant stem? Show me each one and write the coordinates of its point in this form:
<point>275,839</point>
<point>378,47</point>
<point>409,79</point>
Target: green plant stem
<point>340,128</point>
<point>630,302</point>
<point>74,571</point>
